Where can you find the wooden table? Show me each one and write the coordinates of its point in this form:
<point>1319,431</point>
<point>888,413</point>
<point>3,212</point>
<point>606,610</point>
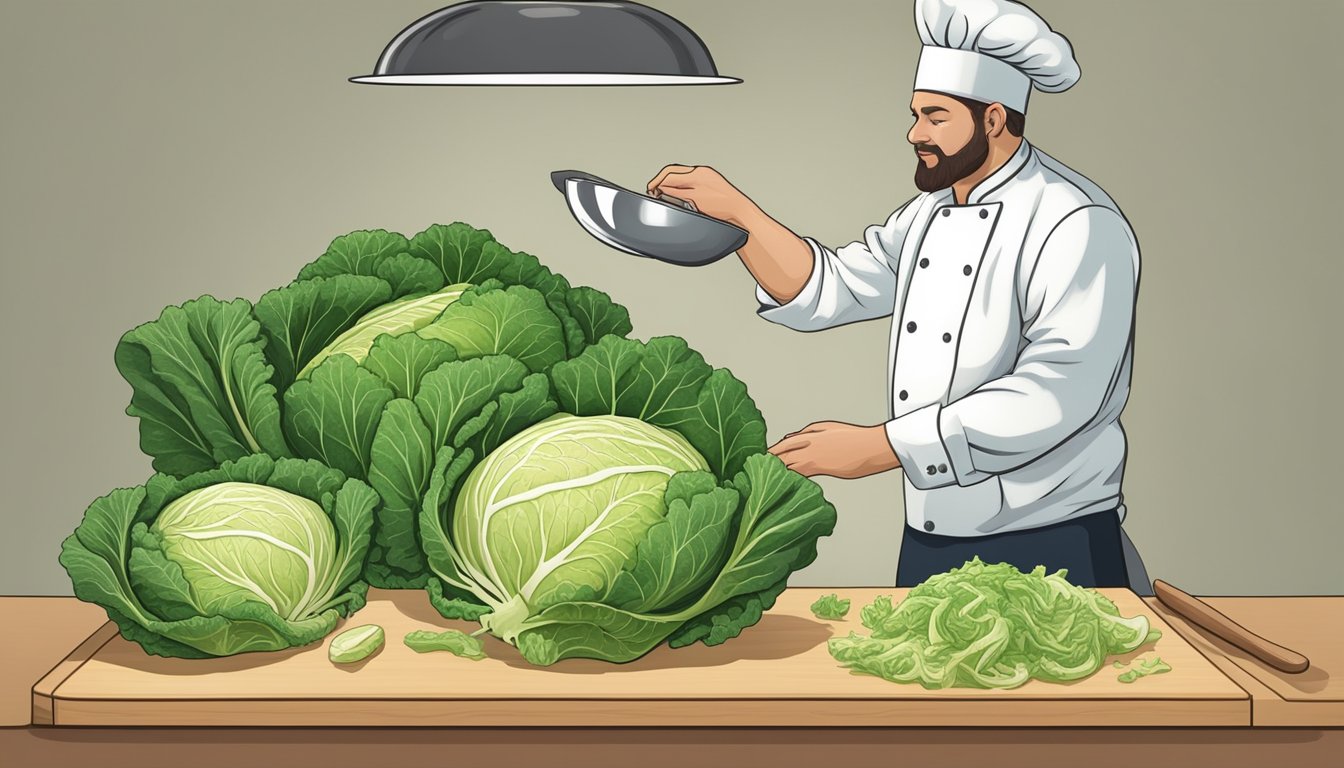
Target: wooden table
<point>742,718</point>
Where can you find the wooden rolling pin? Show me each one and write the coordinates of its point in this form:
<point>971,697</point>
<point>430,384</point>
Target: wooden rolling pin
<point>1206,617</point>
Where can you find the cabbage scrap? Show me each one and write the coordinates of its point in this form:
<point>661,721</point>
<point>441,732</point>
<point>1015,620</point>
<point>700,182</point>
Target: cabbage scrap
<point>830,607</point>
<point>1154,667</point>
<point>454,641</point>
<point>991,626</point>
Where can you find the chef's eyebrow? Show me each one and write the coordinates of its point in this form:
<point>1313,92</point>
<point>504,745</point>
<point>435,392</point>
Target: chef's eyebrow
<point>930,110</point>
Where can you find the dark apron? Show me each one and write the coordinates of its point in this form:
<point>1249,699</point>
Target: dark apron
<point>1090,547</point>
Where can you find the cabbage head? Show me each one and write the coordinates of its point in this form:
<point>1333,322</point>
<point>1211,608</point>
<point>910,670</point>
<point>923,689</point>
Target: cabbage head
<point>562,507</point>
<point>402,316</point>
<point>238,542</point>
<point>646,510</point>
<point>257,555</point>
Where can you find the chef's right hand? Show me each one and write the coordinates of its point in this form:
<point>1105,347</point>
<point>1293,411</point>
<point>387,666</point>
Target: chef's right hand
<point>711,193</point>
<point>780,260</point>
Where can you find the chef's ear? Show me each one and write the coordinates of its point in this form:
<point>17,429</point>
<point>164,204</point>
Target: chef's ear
<point>996,119</point>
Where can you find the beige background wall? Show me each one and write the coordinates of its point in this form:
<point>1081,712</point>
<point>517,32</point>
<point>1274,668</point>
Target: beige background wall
<point>156,151</point>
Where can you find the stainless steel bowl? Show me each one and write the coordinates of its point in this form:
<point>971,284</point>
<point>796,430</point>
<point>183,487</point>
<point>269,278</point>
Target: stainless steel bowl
<point>646,226</point>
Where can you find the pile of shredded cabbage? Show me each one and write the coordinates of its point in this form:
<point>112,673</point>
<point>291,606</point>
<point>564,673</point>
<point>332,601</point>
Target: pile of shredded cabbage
<point>991,626</point>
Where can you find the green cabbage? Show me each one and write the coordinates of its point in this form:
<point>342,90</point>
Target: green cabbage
<point>248,542</point>
<point>991,626</point>
<point>257,555</point>
<point>646,510</point>
<point>560,509</point>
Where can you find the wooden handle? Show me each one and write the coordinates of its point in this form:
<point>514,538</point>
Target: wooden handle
<point>1208,618</point>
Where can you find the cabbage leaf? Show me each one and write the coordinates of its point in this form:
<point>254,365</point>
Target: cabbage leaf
<point>201,386</point>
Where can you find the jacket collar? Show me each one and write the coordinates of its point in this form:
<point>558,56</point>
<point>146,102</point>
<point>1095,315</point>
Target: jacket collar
<point>1003,175</point>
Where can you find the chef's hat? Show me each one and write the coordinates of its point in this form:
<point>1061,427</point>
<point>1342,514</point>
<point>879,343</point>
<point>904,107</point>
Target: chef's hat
<point>990,50</point>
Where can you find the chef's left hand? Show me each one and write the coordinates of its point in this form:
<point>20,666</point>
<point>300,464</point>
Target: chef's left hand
<point>837,449</point>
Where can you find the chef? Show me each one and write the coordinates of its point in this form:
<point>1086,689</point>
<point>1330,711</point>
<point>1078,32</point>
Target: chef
<point>1010,280</point>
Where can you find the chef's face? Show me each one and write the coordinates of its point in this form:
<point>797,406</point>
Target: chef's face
<point>949,141</point>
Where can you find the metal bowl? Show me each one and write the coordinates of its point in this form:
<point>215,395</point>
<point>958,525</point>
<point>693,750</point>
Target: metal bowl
<point>646,226</point>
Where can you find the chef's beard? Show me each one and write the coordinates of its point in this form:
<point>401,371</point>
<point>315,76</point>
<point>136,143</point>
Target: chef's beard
<point>951,168</point>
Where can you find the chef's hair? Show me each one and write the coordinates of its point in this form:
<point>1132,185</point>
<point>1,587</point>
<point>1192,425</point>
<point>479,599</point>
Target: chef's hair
<point>1016,122</point>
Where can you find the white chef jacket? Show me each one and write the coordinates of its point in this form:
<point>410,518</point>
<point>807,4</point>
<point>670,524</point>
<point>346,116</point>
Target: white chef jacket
<point>1011,344</point>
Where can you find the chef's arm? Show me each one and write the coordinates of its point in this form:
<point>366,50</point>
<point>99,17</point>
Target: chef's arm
<point>1079,317</point>
<point>846,285</point>
<point>779,260</point>
<point>799,283</point>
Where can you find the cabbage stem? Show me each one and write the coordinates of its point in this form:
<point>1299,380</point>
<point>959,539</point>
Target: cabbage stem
<point>506,622</point>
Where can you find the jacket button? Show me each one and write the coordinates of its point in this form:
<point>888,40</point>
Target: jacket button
<point>932,469</point>
<point>942,467</point>
<point>903,394</point>
<point>928,525</point>
<point>947,337</point>
<point>984,214</point>
<point>966,270</point>
<point>923,263</point>
<point>910,326</point>
<point>947,211</point>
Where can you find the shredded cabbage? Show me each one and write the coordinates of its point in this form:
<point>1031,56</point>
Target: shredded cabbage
<point>991,626</point>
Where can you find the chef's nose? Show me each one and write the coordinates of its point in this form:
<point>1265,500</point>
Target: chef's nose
<point>917,136</point>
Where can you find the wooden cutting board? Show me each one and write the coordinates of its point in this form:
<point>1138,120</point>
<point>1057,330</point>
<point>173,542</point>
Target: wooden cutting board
<point>777,673</point>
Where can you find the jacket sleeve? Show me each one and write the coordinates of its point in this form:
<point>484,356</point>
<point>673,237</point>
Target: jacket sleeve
<point>847,285</point>
<point>1077,326</point>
